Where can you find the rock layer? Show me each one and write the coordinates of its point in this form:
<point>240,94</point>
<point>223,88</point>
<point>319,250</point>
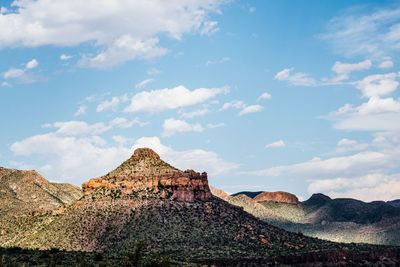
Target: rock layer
<point>146,171</point>
<point>277,197</point>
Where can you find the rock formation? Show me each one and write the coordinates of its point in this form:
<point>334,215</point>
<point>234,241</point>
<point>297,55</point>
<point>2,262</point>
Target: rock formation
<point>277,197</point>
<point>146,171</point>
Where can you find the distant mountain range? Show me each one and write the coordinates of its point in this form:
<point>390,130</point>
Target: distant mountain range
<point>340,220</point>
<point>148,209</point>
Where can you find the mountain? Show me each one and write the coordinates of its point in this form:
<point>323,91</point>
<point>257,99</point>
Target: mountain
<point>340,220</point>
<point>395,203</point>
<point>173,212</point>
<point>279,196</point>
<point>27,191</point>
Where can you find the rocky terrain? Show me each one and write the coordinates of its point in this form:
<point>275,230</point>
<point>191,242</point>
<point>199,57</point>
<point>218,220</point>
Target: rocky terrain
<point>27,191</point>
<point>150,212</point>
<point>282,197</point>
<point>146,171</point>
<point>340,220</point>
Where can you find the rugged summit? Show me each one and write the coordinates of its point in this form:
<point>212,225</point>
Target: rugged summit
<point>146,171</point>
<point>277,197</point>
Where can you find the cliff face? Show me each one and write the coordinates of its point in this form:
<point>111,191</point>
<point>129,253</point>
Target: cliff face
<point>146,171</point>
<point>277,197</point>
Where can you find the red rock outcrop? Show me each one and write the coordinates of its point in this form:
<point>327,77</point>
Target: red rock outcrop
<point>277,197</point>
<point>145,170</point>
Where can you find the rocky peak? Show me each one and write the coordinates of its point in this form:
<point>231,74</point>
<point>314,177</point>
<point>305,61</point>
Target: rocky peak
<point>277,197</point>
<point>145,171</point>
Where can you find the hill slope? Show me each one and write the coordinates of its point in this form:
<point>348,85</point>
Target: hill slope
<point>27,191</point>
<point>173,210</point>
<point>340,220</point>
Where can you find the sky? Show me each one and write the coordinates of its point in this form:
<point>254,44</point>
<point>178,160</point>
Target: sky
<point>299,96</point>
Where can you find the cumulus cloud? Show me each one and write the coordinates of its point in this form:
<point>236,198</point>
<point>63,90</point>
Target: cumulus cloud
<point>378,84</point>
<point>299,78</point>
<point>32,64</point>
<point>119,31</point>
<point>276,144</point>
<point>164,99</point>
<point>344,69</point>
<point>196,159</point>
<point>172,126</point>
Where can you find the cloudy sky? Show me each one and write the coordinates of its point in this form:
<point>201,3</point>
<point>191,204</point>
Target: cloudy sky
<point>293,95</point>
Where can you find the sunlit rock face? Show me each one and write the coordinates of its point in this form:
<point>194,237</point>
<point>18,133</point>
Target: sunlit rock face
<point>277,197</point>
<point>146,171</point>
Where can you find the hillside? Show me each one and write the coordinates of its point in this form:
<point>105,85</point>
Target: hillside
<point>27,191</point>
<point>173,211</point>
<point>340,220</point>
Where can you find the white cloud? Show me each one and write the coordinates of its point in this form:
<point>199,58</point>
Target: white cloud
<point>264,96</point>
<point>378,84</point>
<point>172,126</point>
<point>252,9</point>
<point>119,30</point>
<point>209,28</point>
<point>32,64</point>
<point>375,33</point>
<point>14,73</point>
<point>65,57</point>
<point>233,104</point>
<point>359,164</point>
<point>164,99</point>
<point>81,111</point>
<point>347,145</point>
<point>344,69</point>
<point>298,79</point>
<point>196,159</point>
<point>143,83</point>
<point>276,144</point>
<point>370,187</point>
<point>251,109</point>
<point>196,113</point>
<point>222,60</point>
<point>217,125</point>
<point>386,64</point>
<point>70,158</point>
<point>379,105</point>
<point>105,105</point>
<point>5,84</point>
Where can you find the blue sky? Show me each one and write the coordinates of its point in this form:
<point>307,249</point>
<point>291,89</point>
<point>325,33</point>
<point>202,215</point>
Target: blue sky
<point>299,96</point>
